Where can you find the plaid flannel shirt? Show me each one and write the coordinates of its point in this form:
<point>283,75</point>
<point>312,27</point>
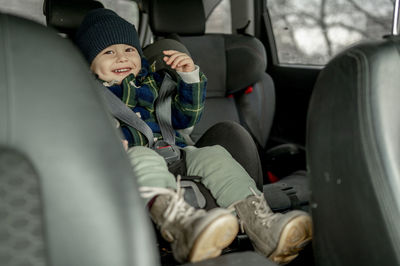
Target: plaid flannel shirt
<point>140,94</point>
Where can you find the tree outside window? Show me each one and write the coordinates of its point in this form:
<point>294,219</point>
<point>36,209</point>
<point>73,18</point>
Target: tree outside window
<point>312,31</point>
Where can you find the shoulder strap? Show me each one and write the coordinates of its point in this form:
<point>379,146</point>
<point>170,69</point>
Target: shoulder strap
<point>163,109</point>
<point>125,114</point>
<point>166,147</point>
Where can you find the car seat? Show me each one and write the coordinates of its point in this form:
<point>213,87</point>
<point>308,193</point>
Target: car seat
<point>67,196</point>
<point>239,90</point>
<point>353,156</point>
<point>238,87</point>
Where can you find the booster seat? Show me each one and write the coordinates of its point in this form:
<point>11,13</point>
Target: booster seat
<point>239,90</point>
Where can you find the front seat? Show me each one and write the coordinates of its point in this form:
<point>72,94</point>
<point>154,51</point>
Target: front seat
<point>67,192</point>
<point>353,155</point>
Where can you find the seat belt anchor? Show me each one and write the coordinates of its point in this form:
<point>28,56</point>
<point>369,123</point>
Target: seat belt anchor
<point>170,153</point>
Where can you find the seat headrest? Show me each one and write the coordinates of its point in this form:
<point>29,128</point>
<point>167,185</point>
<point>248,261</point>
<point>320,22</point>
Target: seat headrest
<point>177,16</point>
<point>154,54</point>
<point>67,15</point>
<point>246,61</point>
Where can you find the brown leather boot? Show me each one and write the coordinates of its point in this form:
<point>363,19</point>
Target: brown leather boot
<point>278,236</point>
<point>195,235</point>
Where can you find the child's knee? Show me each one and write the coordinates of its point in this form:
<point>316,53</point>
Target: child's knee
<point>145,157</point>
<point>213,153</point>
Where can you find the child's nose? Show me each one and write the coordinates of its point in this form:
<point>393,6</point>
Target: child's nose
<point>121,57</point>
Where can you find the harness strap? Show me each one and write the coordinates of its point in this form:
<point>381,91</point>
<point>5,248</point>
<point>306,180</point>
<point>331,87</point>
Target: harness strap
<point>163,109</point>
<point>165,147</point>
<point>196,193</point>
<point>125,114</point>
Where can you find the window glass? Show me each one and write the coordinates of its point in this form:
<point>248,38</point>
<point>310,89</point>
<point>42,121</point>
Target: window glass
<point>30,9</point>
<point>125,8</point>
<point>219,21</point>
<point>33,9</point>
<point>312,31</point>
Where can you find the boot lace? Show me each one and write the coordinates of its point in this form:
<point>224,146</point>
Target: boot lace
<point>178,210</point>
<point>262,211</point>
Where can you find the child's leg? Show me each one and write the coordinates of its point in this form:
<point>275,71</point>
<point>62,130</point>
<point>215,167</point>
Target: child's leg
<point>226,179</point>
<point>150,168</point>
<point>194,234</point>
<point>277,236</point>
<point>239,143</point>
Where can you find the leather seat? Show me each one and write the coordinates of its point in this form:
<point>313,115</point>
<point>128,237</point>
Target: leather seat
<point>67,192</point>
<point>353,154</point>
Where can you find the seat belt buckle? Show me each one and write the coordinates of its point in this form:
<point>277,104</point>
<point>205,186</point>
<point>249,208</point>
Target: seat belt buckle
<point>170,153</point>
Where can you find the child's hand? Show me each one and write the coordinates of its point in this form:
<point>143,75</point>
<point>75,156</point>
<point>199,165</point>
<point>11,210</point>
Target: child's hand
<point>179,61</point>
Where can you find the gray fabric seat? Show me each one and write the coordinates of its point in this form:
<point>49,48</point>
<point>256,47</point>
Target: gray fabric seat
<point>353,154</point>
<point>238,87</point>
<point>238,90</point>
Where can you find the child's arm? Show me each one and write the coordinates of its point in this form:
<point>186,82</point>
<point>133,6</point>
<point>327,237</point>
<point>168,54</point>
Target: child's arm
<point>188,103</point>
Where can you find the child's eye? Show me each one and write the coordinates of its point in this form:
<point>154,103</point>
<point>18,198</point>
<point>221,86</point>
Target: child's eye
<point>130,50</point>
<point>109,52</point>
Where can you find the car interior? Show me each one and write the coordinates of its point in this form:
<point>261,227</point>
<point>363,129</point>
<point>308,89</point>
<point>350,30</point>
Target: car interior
<point>67,194</point>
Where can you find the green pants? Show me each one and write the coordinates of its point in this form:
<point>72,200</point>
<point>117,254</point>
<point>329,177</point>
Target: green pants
<point>226,179</point>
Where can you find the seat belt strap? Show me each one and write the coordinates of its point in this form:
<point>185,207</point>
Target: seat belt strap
<point>163,109</point>
<point>125,114</point>
<point>167,149</point>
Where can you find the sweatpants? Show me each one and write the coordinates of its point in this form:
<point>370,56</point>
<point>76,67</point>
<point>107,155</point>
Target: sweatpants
<point>226,179</point>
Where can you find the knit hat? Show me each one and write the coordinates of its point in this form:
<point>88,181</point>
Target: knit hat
<point>101,28</point>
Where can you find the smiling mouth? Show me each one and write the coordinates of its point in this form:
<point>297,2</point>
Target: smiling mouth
<point>122,70</point>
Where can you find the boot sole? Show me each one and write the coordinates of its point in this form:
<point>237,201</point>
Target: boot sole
<point>214,238</point>
<point>294,237</point>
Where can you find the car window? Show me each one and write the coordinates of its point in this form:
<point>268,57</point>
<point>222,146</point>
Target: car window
<point>30,9</point>
<point>312,31</point>
<point>125,8</point>
<point>219,20</point>
<point>33,9</point>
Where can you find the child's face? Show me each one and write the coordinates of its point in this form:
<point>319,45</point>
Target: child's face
<point>116,62</point>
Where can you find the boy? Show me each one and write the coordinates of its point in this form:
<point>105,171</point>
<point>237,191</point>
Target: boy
<point>111,46</point>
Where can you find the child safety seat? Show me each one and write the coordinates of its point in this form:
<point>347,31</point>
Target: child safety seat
<point>239,90</point>
<point>238,87</point>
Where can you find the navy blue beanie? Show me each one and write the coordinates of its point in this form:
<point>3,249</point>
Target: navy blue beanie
<point>101,28</point>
